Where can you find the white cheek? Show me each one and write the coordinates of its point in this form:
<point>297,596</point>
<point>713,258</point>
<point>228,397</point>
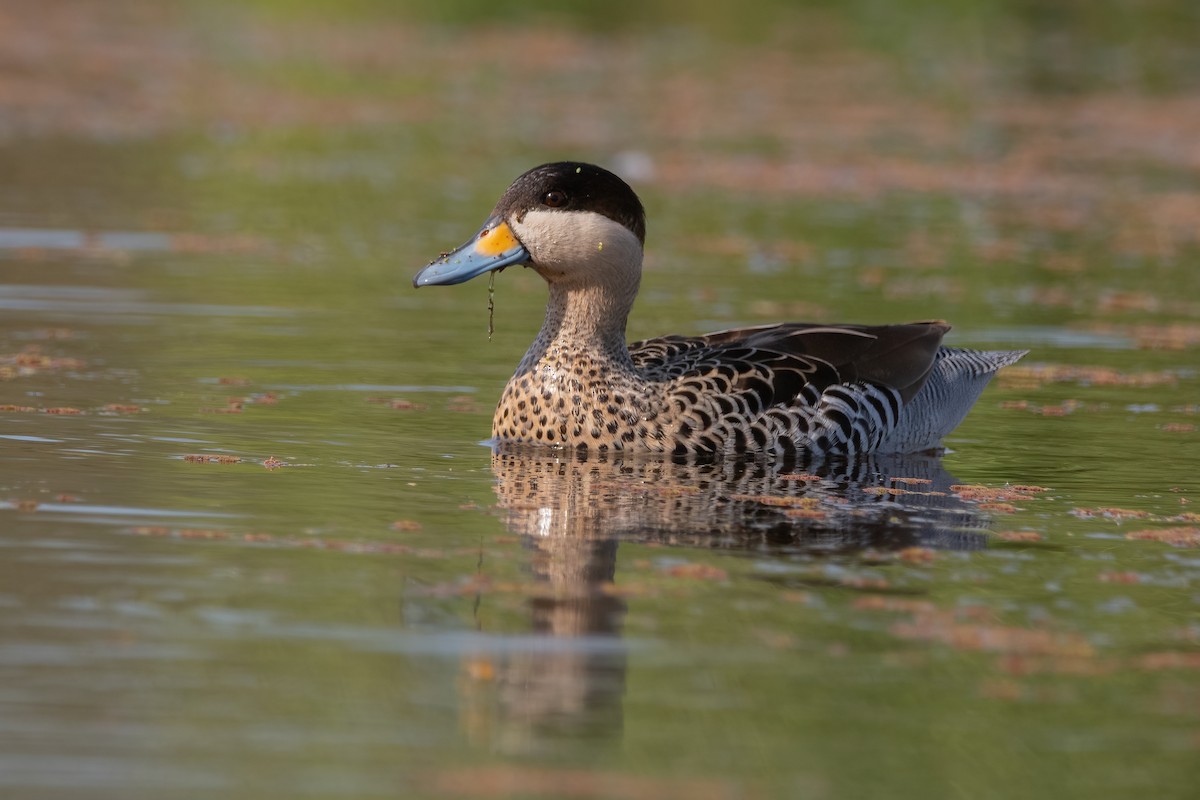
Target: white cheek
<point>545,235</point>
<point>562,242</point>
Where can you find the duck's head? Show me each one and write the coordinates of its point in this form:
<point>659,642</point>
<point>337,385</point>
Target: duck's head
<point>574,223</point>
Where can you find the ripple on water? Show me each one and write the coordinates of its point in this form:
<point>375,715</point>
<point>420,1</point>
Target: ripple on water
<point>54,302</point>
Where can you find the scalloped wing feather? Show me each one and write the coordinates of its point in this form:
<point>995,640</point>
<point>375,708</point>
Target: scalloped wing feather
<point>899,357</point>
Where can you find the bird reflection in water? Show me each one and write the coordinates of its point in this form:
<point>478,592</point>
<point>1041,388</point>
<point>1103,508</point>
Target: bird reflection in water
<point>573,509</point>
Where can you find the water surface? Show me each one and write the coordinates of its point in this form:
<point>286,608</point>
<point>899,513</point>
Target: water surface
<point>254,545</point>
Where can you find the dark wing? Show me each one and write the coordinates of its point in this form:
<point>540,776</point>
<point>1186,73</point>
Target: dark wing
<point>775,363</point>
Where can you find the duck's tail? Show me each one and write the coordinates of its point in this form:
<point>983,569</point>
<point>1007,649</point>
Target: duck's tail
<point>955,383</point>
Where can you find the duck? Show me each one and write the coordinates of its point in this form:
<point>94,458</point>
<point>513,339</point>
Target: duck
<point>780,390</point>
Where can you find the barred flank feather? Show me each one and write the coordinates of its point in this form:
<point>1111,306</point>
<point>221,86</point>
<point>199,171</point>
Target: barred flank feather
<point>958,377</point>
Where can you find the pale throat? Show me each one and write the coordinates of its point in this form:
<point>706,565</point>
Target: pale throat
<point>584,327</point>
<point>591,316</point>
<point>592,267</point>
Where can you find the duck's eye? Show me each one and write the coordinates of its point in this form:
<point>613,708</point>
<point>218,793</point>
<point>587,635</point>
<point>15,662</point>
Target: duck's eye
<point>554,198</point>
